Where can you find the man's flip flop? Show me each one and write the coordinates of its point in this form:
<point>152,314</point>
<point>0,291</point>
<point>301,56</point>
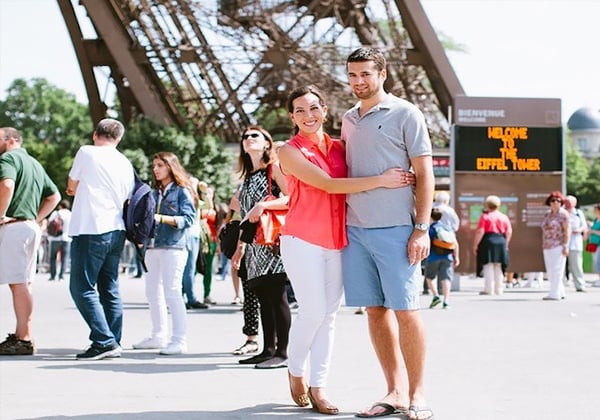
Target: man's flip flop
<point>415,413</point>
<point>388,410</point>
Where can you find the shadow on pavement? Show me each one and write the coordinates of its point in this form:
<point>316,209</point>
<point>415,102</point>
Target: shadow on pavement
<point>261,411</point>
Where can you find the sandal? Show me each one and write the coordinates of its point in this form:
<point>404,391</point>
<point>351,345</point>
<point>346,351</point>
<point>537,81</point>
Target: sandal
<point>388,410</point>
<point>420,413</point>
<point>249,346</point>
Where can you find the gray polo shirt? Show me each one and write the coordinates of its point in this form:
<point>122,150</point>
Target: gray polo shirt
<point>388,136</point>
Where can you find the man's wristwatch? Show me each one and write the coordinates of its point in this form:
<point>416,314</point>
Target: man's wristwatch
<point>423,227</point>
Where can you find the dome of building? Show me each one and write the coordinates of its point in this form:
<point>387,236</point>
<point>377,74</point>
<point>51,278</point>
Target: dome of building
<point>584,119</point>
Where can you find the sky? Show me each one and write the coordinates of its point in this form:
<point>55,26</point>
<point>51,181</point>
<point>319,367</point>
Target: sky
<point>515,48</point>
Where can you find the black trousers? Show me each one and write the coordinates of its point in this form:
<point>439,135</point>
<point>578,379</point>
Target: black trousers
<point>274,313</point>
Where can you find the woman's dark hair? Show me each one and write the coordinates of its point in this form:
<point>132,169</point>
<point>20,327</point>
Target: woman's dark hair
<point>554,195</point>
<point>245,162</point>
<point>301,91</point>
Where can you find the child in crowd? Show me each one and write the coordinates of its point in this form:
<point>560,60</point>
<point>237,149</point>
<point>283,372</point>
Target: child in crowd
<point>440,261</point>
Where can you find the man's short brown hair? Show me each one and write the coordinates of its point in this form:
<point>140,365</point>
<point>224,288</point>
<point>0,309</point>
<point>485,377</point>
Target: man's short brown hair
<point>367,54</point>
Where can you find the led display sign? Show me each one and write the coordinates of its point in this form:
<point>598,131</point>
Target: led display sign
<point>508,149</point>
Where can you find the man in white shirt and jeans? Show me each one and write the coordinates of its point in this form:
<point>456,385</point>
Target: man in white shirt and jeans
<point>101,179</point>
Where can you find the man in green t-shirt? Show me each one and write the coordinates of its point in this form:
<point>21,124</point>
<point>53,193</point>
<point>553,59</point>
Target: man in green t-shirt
<point>27,196</point>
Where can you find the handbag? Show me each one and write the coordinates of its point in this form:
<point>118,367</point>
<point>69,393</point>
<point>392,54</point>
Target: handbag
<point>271,221</point>
<point>228,238</point>
<point>590,247</point>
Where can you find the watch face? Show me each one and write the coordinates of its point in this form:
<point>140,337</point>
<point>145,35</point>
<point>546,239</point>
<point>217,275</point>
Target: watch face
<point>422,226</point>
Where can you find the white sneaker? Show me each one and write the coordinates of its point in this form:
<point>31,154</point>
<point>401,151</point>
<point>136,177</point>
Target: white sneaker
<point>150,343</point>
<point>174,348</point>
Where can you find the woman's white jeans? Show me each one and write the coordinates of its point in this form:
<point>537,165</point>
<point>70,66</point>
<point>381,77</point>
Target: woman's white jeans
<point>555,268</point>
<point>316,276</point>
<point>163,288</point>
<point>493,278</point>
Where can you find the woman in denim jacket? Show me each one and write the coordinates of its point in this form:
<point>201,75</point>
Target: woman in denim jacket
<point>167,255</point>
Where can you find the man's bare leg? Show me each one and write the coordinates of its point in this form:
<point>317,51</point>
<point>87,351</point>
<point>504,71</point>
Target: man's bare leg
<point>383,330</point>
<point>432,286</point>
<point>23,306</point>
<point>412,343</point>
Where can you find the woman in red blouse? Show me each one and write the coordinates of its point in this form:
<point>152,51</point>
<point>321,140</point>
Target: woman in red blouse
<point>313,236</point>
<point>491,245</point>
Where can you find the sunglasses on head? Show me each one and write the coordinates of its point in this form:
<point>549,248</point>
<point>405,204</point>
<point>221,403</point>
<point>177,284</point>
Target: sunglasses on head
<point>251,135</point>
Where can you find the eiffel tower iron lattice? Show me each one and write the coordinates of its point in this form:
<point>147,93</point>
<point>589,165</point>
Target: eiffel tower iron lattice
<point>220,65</point>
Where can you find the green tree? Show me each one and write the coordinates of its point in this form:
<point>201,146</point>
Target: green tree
<point>203,157</point>
<point>276,121</point>
<point>578,170</point>
<point>591,189</point>
<point>53,123</point>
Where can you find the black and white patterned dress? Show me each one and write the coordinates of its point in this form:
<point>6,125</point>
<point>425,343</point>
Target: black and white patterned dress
<point>260,260</point>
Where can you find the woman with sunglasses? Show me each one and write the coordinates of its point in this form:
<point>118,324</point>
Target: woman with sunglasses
<point>312,238</point>
<point>265,274</point>
<point>167,255</point>
<point>556,234</point>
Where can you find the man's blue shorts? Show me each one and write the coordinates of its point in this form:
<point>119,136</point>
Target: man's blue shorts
<point>376,268</point>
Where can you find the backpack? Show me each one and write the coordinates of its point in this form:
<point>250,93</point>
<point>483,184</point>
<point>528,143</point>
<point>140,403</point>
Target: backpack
<point>55,226</point>
<point>444,240</point>
<point>138,215</point>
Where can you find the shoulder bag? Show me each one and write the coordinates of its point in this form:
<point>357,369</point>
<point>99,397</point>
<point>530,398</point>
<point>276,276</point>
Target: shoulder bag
<point>271,221</point>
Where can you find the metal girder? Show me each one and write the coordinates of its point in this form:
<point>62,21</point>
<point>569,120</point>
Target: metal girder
<point>97,107</point>
<point>119,43</point>
<point>429,52</point>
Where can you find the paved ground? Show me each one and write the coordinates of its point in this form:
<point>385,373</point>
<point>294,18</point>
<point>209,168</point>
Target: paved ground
<point>490,358</point>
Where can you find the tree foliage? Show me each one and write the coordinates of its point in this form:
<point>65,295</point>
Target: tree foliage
<point>590,190</point>
<point>577,171</point>
<point>55,125</point>
<point>203,157</point>
<point>582,176</point>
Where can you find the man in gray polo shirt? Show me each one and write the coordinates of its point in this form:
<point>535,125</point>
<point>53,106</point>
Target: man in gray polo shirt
<point>388,231</point>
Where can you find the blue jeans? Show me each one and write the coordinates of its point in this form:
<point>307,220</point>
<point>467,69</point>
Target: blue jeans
<point>189,273</point>
<point>95,265</point>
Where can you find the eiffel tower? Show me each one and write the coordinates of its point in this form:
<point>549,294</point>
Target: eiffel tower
<point>220,65</point>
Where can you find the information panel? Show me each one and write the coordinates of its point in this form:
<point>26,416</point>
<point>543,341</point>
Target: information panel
<point>522,197</point>
<point>512,148</point>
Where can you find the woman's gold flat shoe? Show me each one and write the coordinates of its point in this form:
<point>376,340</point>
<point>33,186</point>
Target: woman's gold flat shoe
<point>301,399</point>
<point>323,406</point>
